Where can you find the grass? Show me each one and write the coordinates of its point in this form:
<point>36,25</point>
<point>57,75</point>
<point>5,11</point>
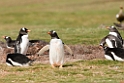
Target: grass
<point>73,20</point>
<point>77,22</point>
<point>94,71</point>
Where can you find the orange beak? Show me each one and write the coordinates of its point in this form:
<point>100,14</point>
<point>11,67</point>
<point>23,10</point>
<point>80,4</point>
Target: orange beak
<point>100,47</point>
<point>107,27</point>
<point>49,32</point>
<point>28,30</point>
<point>3,36</point>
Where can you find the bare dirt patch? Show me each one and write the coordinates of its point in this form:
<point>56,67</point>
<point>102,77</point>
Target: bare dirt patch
<point>81,52</point>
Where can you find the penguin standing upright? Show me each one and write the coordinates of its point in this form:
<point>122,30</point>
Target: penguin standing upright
<point>120,15</point>
<point>115,54</point>
<point>9,42</point>
<point>22,41</point>
<point>115,32</point>
<point>56,50</point>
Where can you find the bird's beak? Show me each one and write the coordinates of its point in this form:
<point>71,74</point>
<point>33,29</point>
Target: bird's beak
<point>100,46</point>
<point>28,30</point>
<point>3,36</point>
<point>107,27</point>
<point>49,32</point>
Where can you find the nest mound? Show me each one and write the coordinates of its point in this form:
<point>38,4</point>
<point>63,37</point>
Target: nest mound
<point>81,52</point>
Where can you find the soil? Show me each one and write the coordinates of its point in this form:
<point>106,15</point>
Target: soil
<point>81,52</point>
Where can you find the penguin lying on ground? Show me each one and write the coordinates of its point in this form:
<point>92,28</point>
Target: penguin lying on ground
<point>115,32</point>
<point>115,54</point>
<point>56,50</point>
<point>22,41</point>
<point>111,41</point>
<point>16,59</point>
<point>9,42</point>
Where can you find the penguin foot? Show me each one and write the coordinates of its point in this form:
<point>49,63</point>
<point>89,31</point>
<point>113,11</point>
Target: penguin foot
<point>61,67</point>
<point>53,66</point>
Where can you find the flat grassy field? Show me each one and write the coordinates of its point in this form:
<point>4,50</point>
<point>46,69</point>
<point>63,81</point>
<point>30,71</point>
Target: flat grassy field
<point>76,22</point>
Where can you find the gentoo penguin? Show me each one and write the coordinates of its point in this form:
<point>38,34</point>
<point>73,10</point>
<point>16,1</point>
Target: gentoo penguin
<point>115,32</point>
<point>9,42</point>
<point>120,15</point>
<point>111,41</point>
<point>16,59</point>
<point>115,54</point>
<point>56,50</point>
<point>22,41</point>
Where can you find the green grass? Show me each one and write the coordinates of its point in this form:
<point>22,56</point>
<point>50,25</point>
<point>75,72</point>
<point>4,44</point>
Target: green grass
<point>94,71</point>
<point>76,22</point>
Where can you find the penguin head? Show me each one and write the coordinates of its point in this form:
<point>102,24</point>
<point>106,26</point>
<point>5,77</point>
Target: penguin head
<point>53,34</point>
<point>24,31</point>
<point>7,38</point>
<point>112,29</point>
<point>105,48</point>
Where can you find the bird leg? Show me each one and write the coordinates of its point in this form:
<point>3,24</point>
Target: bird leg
<point>53,66</point>
<point>61,66</point>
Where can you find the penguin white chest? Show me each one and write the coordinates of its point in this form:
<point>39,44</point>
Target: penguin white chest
<point>109,43</point>
<point>24,44</point>
<point>56,52</point>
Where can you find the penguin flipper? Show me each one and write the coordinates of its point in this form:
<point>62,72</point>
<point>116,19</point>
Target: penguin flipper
<point>45,48</point>
<point>68,49</point>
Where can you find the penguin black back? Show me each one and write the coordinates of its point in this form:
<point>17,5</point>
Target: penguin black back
<point>111,41</point>
<point>114,53</point>
<point>16,59</point>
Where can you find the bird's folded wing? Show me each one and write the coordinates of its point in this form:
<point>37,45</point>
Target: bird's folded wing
<point>68,49</point>
<point>45,48</point>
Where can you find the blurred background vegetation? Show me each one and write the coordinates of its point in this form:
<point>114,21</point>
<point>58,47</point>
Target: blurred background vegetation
<point>76,21</point>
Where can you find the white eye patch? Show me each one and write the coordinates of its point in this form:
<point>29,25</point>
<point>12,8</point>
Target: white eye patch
<point>23,29</point>
<point>7,37</point>
<point>54,31</point>
<point>113,27</point>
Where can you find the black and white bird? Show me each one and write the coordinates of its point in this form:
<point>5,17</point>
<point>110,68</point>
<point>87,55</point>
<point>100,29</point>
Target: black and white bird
<point>17,59</point>
<point>120,15</point>
<point>115,54</point>
<point>22,41</point>
<point>115,32</point>
<point>111,41</point>
<point>56,50</point>
<point>9,42</point>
